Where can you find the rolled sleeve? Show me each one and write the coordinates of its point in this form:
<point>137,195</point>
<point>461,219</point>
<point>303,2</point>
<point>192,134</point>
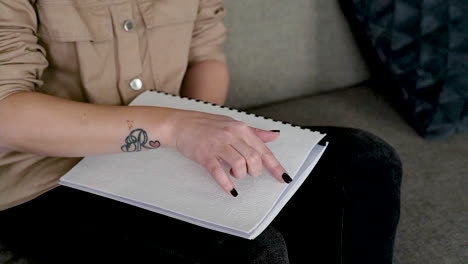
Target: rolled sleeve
<point>209,33</point>
<point>22,59</point>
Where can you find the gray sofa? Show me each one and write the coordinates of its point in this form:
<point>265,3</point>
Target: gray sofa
<point>297,61</point>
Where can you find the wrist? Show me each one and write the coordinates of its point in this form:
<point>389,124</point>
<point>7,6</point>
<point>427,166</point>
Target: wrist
<point>166,126</point>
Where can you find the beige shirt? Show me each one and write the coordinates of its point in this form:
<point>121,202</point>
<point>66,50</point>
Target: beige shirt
<point>97,51</point>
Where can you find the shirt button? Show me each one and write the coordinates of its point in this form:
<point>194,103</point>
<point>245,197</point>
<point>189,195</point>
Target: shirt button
<point>136,84</point>
<point>128,25</point>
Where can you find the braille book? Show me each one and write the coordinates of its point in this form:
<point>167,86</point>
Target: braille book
<point>182,189</point>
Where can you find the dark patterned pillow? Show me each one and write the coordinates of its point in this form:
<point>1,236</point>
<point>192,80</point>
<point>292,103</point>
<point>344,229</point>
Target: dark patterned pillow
<point>423,48</point>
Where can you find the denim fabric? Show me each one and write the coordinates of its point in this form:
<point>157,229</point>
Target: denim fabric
<point>347,211</point>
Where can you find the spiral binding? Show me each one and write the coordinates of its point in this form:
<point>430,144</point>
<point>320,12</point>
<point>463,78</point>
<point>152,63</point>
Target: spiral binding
<point>232,109</point>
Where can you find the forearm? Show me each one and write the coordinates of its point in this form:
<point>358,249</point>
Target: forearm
<point>207,81</point>
<point>42,124</point>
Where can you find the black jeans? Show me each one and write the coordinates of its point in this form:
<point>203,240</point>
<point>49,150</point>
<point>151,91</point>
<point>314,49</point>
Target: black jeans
<point>347,211</point>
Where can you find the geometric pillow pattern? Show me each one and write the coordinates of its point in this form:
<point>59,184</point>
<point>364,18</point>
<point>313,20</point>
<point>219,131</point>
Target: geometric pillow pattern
<point>423,48</point>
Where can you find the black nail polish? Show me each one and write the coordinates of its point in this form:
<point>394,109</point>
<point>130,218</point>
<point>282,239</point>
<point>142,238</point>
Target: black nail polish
<point>234,192</point>
<point>286,178</point>
<point>276,131</point>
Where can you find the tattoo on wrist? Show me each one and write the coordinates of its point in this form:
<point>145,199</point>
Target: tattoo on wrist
<point>137,140</point>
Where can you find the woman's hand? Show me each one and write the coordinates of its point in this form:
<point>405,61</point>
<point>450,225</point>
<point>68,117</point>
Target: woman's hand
<point>65,128</point>
<point>212,139</point>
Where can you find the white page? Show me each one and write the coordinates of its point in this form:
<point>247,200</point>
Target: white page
<point>164,181</point>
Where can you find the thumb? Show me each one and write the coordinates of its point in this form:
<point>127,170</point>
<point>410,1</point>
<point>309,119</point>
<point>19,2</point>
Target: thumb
<point>265,135</point>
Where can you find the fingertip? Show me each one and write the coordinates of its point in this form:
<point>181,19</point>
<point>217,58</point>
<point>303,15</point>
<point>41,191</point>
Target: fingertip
<point>266,135</point>
<point>221,178</point>
<point>229,187</point>
<point>273,136</point>
<point>275,168</point>
<point>286,178</point>
<point>234,192</point>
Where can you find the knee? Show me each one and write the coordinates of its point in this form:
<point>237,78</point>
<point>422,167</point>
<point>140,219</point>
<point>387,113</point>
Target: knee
<point>370,146</point>
<point>373,157</point>
<point>363,156</point>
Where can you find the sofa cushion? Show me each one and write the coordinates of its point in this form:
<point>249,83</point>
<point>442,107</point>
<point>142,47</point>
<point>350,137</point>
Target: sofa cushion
<point>285,49</point>
<point>423,48</point>
<point>434,203</point>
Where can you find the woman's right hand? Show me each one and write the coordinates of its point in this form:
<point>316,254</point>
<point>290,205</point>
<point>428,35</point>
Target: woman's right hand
<point>65,128</point>
<point>210,140</point>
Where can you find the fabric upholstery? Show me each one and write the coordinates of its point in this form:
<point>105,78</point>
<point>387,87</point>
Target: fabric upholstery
<point>423,47</point>
<point>285,49</point>
<point>434,203</point>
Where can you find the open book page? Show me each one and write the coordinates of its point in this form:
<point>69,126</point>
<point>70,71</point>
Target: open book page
<point>164,181</point>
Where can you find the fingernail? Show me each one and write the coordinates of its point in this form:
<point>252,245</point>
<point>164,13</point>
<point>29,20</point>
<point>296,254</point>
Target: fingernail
<point>234,192</point>
<point>276,131</point>
<point>286,178</point>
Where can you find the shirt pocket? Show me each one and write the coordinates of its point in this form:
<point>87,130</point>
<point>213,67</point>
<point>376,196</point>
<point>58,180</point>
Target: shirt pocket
<point>68,22</point>
<point>166,13</point>
<point>79,37</point>
<point>169,27</point>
